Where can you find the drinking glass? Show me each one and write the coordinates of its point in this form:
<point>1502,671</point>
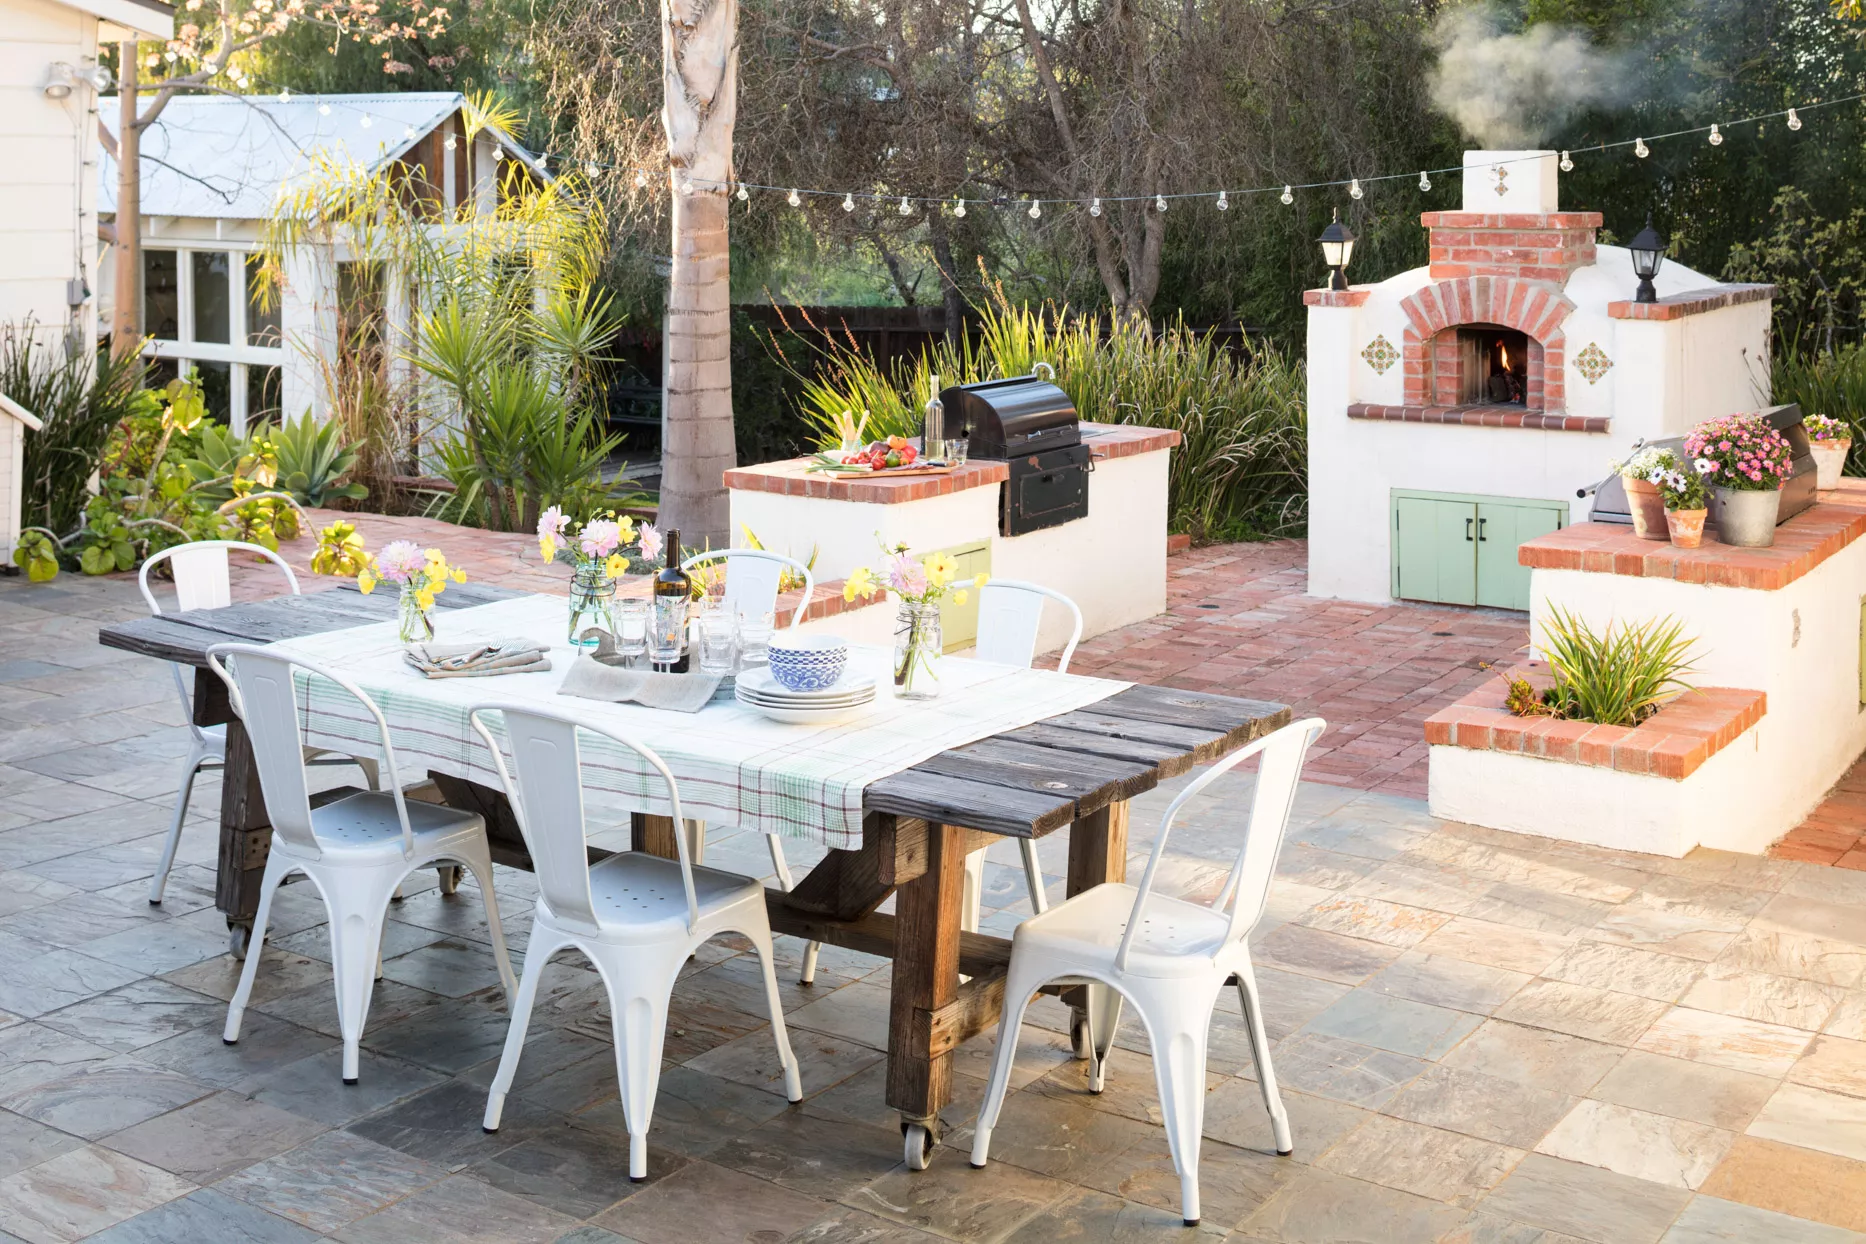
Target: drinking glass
<point>755,631</point>
<point>667,631</point>
<point>716,639</point>
<point>631,628</point>
<point>955,449</point>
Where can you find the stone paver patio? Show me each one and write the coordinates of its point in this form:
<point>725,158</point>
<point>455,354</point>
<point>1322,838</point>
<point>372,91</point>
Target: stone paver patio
<point>1483,1038</point>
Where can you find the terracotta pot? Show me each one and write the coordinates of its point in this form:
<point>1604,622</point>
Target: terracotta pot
<point>1648,507</point>
<point>1686,527</point>
<point>1830,459</point>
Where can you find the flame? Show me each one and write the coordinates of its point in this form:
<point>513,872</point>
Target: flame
<point>1505,351</point>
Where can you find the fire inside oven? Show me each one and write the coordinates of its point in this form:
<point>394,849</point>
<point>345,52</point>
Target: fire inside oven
<point>1493,366</point>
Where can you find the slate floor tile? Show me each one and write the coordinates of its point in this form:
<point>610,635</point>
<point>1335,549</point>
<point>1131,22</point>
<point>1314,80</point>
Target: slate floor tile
<point>705,1204</point>
<point>1320,1207</point>
<point>82,1192</point>
<point>1496,945</point>
<point>102,1098</point>
<point>1685,1090</point>
<point>951,1199</point>
<point>1626,969</point>
<point>443,1124</point>
<point>824,1061</point>
<point>1708,1220</point>
<point>1317,952</point>
<point>1726,1041</point>
<point>31,1054</point>
<point>1534,1056</point>
<point>1395,1024</point>
<point>24,1142</point>
<point>265,1045</point>
<point>1479,1105</point>
<point>1345,1071</point>
<point>138,1014</point>
<point>1441,980</point>
<point>1833,1063</point>
<point>1582,1011</point>
<point>1061,1138</point>
<point>1802,1183</point>
<point>1236,1115</point>
<point>570,1170</point>
<point>212,1138</point>
<point>1815,1119</point>
<point>1586,1201</point>
<point>1426,1161</point>
<point>331,1180</point>
<point>1637,1143</point>
<point>829,1159</point>
<point>33,981</point>
<point>1761,996</point>
<point>448,1036</point>
<point>205,1215</point>
<point>694,1113</point>
<point>455,1211</point>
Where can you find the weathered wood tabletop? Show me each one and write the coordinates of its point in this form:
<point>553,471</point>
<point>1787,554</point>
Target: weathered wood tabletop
<point>1077,769</point>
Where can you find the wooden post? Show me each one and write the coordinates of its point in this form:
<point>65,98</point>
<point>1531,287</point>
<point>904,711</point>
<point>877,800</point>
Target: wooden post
<point>926,979</point>
<point>245,831</point>
<point>653,834</point>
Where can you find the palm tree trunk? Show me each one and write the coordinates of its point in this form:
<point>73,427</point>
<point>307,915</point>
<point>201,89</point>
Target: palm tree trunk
<point>126,313</point>
<point>700,51</point>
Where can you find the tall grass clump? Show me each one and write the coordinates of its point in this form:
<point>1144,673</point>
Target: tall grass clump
<point>1239,472</point>
<point>1827,382</point>
<point>1618,676</point>
<point>80,399</point>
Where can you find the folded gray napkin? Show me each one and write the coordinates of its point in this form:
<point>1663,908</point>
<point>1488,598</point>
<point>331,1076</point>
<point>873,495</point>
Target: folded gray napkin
<point>478,660</point>
<point>599,675</point>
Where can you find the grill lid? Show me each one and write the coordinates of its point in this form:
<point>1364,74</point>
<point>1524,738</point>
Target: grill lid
<point>1011,417</point>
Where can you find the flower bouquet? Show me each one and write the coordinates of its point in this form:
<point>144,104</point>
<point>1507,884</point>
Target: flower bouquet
<point>919,586</point>
<point>595,546</point>
<point>1749,461</point>
<point>1829,439</point>
<point>422,575</point>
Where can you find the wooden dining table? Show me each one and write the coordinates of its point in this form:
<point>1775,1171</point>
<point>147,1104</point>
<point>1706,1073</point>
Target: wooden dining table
<point>919,824</point>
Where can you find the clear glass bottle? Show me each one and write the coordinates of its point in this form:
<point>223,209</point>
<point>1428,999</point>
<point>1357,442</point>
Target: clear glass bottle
<point>673,592</point>
<point>918,651</point>
<point>592,602</point>
<point>417,626</point>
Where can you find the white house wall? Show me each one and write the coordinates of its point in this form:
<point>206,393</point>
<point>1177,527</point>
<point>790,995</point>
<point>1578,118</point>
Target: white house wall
<point>48,222</point>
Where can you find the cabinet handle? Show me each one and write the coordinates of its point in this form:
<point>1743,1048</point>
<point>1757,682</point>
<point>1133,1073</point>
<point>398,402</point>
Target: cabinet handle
<point>1481,537</point>
<point>1467,530</point>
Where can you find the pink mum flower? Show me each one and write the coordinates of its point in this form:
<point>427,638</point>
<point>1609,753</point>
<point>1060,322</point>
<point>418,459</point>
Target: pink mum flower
<point>600,537</point>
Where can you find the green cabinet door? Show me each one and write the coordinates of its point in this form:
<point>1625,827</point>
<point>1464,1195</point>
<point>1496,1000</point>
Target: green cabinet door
<point>958,624</point>
<point>1502,582</point>
<point>1434,550</point>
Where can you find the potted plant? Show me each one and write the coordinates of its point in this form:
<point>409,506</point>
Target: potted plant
<point>1746,462</point>
<point>1686,498</point>
<point>920,586</point>
<point>1829,439</point>
<point>596,549</point>
<point>1642,495</point>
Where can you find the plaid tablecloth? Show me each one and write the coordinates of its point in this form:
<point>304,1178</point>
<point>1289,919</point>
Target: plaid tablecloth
<point>732,765</point>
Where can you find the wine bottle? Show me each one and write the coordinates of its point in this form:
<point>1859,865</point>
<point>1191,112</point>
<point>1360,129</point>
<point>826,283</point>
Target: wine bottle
<point>673,590</point>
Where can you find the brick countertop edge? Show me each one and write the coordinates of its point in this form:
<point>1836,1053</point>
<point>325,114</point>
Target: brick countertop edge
<point>1802,543</point>
<point>1672,743</point>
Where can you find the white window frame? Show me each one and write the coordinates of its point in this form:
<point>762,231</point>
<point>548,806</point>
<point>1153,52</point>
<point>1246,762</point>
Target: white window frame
<point>235,352</point>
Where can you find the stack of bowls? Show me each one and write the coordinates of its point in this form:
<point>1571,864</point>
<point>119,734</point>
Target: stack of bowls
<point>808,662</point>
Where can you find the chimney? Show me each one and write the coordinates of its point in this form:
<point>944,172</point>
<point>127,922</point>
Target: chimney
<point>1510,224</point>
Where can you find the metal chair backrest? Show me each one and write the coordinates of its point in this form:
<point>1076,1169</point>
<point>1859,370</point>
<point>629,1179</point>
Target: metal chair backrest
<point>1010,613</point>
<point>752,577</point>
<point>202,581</point>
<point>263,686</point>
<point>1283,752</point>
<point>547,798</point>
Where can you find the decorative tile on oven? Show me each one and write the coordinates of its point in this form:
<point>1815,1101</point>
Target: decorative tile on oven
<point>1380,355</point>
<point>1592,362</point>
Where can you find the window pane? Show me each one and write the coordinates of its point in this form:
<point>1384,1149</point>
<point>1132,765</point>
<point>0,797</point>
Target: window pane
<point>211,309</point>
<point>161,297</point>
<point>262,395</point>
<point>262,326</point>
<point>216,387</point>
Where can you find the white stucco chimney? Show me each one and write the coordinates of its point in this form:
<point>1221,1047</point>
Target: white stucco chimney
<point>1515,183</point>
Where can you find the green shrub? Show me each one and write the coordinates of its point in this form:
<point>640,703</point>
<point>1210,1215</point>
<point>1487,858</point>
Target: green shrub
<point>1829,383</point>
<point>314,461</point>
<point>1616,677</point>
<point>80,399</point>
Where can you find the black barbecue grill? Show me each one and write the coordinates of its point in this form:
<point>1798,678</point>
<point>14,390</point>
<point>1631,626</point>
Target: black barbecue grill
<point>1610,504</point>
<point>1030,425</point>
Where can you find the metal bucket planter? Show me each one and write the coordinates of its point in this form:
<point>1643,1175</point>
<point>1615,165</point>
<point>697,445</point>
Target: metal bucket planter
<point>1647,506</point>
<point>1746,517</point>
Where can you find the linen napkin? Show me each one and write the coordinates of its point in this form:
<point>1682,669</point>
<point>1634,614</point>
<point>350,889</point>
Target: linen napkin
<point>478,660</point>
<point>600,675</point>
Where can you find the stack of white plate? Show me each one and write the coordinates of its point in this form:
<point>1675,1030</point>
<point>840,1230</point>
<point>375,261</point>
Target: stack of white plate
<point>849,697</point>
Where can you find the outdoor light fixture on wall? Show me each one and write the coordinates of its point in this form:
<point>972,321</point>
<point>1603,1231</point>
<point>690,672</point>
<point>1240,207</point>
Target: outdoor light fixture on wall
<point>1337,248</point>
<point>1648,248</point>
<point>61,78</point>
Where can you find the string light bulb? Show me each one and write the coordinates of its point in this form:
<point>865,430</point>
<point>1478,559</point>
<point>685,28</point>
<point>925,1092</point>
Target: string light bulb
<point>686,186</point>
<point>848,202</point>
<point>408,133</point>
<point>1425,180</point>
<point>744,195</point>
<point>449,144</point>
<point>498,154</point>
<point>589,170</point>
<point>1354,189</point>
<point>1159,202</point>
<point>1095,207</point>
<point>958,209</point>
<point>366,122</point>
<point>1224,204</point>
<point>1716,136</point>
<point>323,110</point>
<point>641,178</point>
<point>1036,209</point>
<point>1794,121</point>
<point>907,209</point>
<point>794,199</point>
<point>1640,149</point>
<point>1288,196</point>
<point>1567,164</point>
<point>285,95</point>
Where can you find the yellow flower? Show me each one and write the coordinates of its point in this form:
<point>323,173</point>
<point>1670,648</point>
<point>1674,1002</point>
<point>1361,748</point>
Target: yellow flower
<point>459,576</point>
<point>861,582</point>
<point>626,526</point>
<point>958,597</point>
<point>547,548</point>
<point>436,557</point>
<point>940,569</point>
<point>979,580</point>
<point>366,580</point>
<point>424,598</point>
<point>616,566</point>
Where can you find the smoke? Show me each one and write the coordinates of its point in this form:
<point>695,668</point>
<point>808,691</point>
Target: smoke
<point>1513,91</point>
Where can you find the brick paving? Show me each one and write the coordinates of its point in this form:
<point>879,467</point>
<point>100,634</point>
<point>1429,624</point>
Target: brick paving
<point>1835,832</point>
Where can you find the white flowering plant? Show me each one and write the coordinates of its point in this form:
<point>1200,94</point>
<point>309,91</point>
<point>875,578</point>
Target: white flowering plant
<point>1685,486</point>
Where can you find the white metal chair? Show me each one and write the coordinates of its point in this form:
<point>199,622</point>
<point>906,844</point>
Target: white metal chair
<point>1169,958</point>
<point>636,917</point>
<point>356,851</point>
<point>1010,613</point>
<point>202,581</point>
<point>752,580</point>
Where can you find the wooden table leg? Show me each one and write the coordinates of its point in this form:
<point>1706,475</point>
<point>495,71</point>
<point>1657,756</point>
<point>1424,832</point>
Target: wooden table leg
<point>245,839</point>
<point>925,988</point>
<point>653,834</point>
<point>1097,853</point>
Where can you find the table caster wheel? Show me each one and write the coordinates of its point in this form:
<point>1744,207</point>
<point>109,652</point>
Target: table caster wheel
<point>238,935</point>
<point>919,1145</point>
<point>450,877</point>
<point>1079,1036</point>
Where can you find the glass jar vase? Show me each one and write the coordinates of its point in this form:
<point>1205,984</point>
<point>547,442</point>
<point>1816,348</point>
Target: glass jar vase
<point>918,651</point>
<point>416,623</point>
<point>592,603</point>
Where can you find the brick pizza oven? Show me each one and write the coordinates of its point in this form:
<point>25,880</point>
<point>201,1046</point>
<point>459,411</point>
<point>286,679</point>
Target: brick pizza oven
<point>1455,409</point>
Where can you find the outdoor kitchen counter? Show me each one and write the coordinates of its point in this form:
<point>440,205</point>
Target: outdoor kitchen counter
<point>1802,543</point>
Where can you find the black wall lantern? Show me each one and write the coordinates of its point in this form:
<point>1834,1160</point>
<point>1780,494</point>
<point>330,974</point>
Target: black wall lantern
<point>1337,249</point>
<point>1648,248</point>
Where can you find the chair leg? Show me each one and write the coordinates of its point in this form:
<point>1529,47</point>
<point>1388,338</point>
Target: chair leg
<point>1260,1051</point>
<point>159,882</point>
<point>537,955</point>
<point>276,868</point>
<point>781,867</point>
<point>1033,875</point>
<point>972,898</point>
<point>696,840</point>
<point>1102,1017</point>
<point>638,1020</point>
<point>1018,991</point>
<point>479,863</point>
<point>793,1076</point>
<point>359,908</point>
<point>1179,1016</point>
<point>372,771</point>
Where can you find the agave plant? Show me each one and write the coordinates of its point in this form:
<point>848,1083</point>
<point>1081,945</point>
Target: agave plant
<point>313,461</point>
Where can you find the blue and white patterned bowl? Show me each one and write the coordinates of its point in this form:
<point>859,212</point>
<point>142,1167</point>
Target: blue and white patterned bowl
<point>808,662</point>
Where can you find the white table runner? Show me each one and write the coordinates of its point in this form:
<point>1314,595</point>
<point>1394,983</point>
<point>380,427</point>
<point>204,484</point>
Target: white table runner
<point>733,766</point>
